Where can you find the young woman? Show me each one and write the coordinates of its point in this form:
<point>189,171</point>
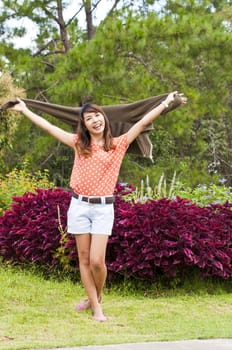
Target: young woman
<point>97,162</point>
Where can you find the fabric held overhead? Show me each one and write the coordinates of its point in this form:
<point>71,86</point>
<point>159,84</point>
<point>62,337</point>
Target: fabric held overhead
<point>121,117</point>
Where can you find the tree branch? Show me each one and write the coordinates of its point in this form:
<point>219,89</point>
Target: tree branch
<point>110,11</point>
<point>45,46</point>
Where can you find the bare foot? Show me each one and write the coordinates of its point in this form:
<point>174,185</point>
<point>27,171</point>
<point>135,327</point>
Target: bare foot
<point>98,314</point>
<point>84,305</point>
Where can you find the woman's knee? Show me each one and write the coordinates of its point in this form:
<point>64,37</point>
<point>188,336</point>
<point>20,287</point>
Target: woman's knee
<point>83,257</point>
<point>97,263</point>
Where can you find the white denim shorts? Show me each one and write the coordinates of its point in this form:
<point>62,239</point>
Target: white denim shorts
<point>83,217</point>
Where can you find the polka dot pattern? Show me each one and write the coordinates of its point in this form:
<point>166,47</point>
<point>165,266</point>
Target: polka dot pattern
<point>97,175</point>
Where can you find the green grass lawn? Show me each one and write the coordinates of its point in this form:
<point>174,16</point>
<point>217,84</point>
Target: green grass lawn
<point>39,313</point>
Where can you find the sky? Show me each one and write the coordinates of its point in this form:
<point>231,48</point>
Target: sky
<point>27,40</point>
<point>99,14</point>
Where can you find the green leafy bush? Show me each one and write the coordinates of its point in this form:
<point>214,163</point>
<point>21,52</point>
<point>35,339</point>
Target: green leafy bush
<point>20,181</point>
<point>201,195</point>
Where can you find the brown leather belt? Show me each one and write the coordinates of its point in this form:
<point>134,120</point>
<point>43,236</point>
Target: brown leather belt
<point>94,200</point>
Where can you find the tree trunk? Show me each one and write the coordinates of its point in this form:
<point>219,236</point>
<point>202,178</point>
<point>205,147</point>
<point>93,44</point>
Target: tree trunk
<point>89,19</point>
<point>61,23</point>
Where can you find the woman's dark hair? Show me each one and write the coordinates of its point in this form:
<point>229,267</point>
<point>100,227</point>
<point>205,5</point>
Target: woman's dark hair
<point>83,144</point>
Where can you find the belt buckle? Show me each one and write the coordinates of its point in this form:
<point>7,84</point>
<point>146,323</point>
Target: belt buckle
<point>89,201</point>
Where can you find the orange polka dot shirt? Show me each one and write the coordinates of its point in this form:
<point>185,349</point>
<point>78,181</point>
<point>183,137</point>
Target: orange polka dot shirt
<point>97,174</point>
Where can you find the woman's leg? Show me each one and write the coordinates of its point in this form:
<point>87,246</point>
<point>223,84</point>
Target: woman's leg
<point>91,254</point>
<point>83,242</point>
<point>98,269</point>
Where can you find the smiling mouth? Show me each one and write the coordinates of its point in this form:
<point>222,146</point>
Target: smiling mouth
<point>98,126</point>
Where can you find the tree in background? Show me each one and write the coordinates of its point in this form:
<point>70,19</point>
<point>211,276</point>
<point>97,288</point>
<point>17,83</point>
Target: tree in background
<point>132,54</point>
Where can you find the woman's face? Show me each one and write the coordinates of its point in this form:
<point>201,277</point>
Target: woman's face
<point>94,122</point>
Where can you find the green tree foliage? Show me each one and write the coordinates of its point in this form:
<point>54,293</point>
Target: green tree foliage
<point>133,57</point>
<point>184,46</point>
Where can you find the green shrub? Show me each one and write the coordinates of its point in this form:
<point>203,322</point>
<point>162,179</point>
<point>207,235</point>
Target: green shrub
<point>20,181</point>
<point>201,195</point>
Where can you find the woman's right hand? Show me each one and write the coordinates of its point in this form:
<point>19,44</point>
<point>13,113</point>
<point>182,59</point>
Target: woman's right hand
<point>19,107</point>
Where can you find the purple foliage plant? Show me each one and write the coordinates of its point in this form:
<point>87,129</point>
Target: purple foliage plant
<point>168,237</point>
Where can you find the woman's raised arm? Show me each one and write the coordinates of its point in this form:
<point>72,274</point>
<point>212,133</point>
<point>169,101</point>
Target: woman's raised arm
<point>60,134</point>
<point>148,118</point>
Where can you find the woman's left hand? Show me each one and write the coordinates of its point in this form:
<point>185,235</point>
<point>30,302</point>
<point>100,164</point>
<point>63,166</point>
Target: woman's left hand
<point>183,98</point>
<point>171,97</point>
